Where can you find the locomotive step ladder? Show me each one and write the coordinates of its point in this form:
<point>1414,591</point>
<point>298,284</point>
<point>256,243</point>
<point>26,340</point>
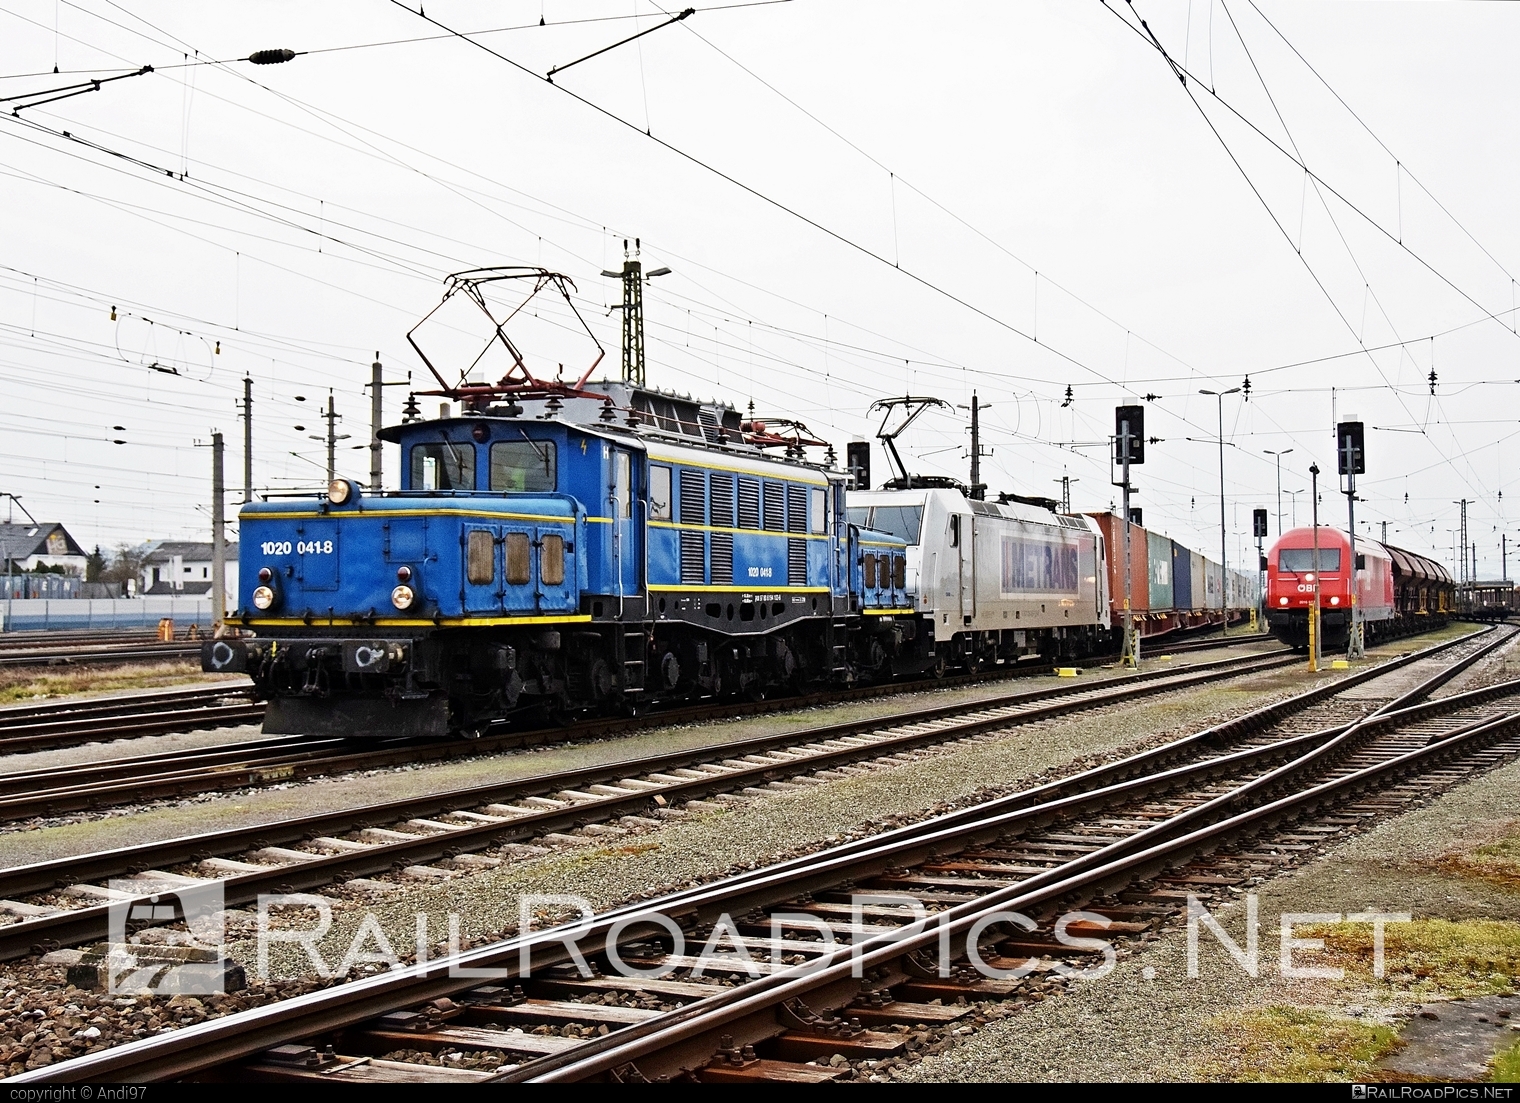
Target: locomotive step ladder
<point>633,669</point>
<point>838,653</point>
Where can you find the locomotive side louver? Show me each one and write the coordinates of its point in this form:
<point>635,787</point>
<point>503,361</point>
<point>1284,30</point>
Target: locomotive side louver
<point>723,502</point>
<point>749,503</point>
<point>775,498</point>
<point>796,562</point>
<point>722,558</point>
<point>693,504</point>
<point>692,559</point>
<point>796,508</point>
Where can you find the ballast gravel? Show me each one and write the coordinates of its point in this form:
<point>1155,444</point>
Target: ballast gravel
<point>1149,1021</point>
<point>674,850</point>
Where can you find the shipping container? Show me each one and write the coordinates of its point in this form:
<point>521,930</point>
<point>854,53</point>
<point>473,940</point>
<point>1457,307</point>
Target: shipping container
<point>1213,582</point>
<point>1159,571</point>
<point>1182,578</point>
<point>1200,603</point>
<point>1113,539</point>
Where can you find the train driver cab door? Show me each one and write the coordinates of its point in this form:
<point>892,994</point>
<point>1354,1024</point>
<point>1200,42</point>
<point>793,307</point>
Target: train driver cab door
<point>961,538</point>
<point>623,504</point>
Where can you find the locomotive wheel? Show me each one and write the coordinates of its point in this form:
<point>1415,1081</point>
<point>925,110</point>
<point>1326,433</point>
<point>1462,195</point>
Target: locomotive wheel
<point>939,667</point>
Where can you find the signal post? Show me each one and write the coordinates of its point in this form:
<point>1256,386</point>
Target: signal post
<point>1351,456</point>
<point>1314,604</point>
<point>1259,527</point>
<point>1129,448</point>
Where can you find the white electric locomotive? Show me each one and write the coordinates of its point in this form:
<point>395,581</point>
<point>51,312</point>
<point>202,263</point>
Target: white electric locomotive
<point>993,581</point>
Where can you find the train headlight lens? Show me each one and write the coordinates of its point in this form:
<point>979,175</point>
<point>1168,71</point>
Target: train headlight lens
<point>1335,601</point>
<point>265,575</point>
<point>263,597</point>
<point>402,597</point>
<point>1309,577</point>
<point>339,491</point>
<point>403,574</point>
<point>1282,601</point>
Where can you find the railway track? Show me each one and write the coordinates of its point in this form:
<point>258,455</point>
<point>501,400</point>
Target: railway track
<point>90,720</point>
<point>446,826</point>
<point>54,791</point>
<point>93,651</point>
<point>69,723</point>
<point>801,997</point>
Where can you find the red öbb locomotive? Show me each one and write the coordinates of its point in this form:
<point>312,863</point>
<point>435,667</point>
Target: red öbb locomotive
<point>1396,590</point>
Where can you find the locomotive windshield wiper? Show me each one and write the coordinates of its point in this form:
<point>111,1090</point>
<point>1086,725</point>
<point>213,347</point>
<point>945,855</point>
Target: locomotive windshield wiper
<point>458,459</point>
<point>542,450</point>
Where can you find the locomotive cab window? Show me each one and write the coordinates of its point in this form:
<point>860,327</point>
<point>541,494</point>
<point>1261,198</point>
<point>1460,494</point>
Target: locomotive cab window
<point>817,504</point>
<point>901,521</point>
<point>1299,560</point>
<point>659,493</point>
<point>955,530</point>
<point>523,465</point>
<point>870,571</point>
<point>443,465</point>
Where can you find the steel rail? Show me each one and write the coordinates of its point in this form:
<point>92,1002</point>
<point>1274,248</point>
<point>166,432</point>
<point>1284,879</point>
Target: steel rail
<point>703,1018</point>
<point>83,924</point>
<point>147,652</point>
<point>74,721</point>
<point>119,704</point>
<point>236,1037</point>
<point>57,790</point>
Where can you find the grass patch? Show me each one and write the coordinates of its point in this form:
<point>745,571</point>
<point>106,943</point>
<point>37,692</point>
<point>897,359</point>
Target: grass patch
<point>23,686</point>
<point>1430,957</point>
<point>1505,1068</point>
<point>1295,1045</point>
<point>1496,862</point>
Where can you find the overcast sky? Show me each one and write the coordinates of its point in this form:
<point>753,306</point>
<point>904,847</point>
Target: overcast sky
<point>856,199</point>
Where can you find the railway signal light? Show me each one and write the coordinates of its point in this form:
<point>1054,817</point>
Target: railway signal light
<point>1129,420</point>
<point>1259,522</point>
<point>1350,448</point>
<point>857,454</point>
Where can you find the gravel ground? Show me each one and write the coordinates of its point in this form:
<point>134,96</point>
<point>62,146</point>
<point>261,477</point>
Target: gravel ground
<point>1135,1025</point>
<point>693,848</point>
<point>22,842</point>
<point>686,848</point>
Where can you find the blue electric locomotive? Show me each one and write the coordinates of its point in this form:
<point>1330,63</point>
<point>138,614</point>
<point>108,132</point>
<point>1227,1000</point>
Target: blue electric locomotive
<point>578,548</point>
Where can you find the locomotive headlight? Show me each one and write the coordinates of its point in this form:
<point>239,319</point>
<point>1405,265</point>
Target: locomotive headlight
<point>1282,601</point>
<point>402,597</point>
<point>263,597</point>
<point>340,491</point>
<point>1309,577</point>
<point>1335,600</point>
<point>265,575</point>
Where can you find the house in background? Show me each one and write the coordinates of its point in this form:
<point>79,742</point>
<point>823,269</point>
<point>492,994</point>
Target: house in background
<point>27,547</point>
<point>183,568</point>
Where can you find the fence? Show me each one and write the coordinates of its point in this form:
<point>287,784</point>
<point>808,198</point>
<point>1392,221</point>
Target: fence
<point>40,586</point>
<point>32,614</point>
